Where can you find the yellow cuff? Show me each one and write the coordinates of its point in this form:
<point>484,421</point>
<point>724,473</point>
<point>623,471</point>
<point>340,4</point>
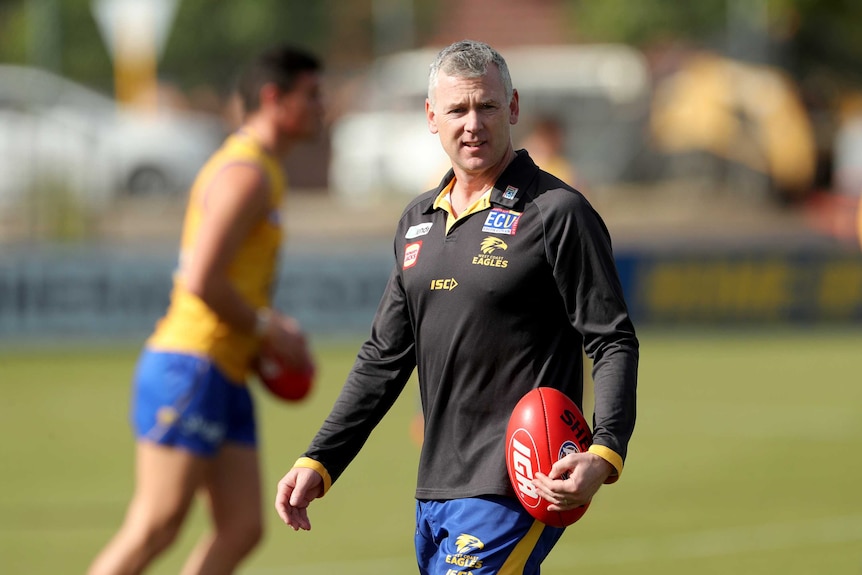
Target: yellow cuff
<point>611,457</point>
<point>317,466</point>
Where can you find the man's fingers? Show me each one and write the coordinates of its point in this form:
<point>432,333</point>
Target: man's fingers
<point>295,493</point>
<point>282,501</point>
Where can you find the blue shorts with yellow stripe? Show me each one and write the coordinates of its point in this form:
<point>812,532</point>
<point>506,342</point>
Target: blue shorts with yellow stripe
<point>185,401</point>
<point>481,536</point>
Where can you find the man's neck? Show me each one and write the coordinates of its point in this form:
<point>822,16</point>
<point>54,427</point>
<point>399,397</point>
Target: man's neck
<point>469,187</point>
<point>459,202</point>
<point>265,134</point>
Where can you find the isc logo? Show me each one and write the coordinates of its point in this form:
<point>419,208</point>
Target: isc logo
<point>446,284</point>
<point>524,462</point>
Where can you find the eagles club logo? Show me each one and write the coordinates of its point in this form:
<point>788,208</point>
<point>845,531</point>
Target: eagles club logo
<point>487,257</point>
<point>491,243</point>
<point>467,543</point>
<point>464,545</point>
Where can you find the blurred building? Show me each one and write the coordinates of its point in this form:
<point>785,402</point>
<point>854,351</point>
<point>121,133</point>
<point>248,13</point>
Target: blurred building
<point>62,143</point>
<point>503,23</point>
<point>736,124</point>
<point>600,92</point>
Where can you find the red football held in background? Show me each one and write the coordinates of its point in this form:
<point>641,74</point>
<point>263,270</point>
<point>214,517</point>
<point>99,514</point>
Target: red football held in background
<point>544,427</point>
<point>287,383</point>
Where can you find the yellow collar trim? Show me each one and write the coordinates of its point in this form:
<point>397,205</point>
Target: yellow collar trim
<point>444,203</point>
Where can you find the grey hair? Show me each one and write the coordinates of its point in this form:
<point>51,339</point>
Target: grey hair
<point>468,59</point>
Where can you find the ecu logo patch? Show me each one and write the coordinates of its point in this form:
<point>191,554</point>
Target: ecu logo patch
<point>501,222</point>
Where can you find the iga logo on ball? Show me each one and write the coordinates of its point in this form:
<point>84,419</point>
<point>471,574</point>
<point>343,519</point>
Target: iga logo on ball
<point>544,427</point>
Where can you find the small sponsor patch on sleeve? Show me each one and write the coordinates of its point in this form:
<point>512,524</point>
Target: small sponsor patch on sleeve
<point>418,230</point>
<point>501,221</point>
<point>274,216</point>
<point>411,254</point>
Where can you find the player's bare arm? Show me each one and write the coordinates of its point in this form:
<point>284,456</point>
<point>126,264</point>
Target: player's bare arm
<point>236,202</point>
<point>584,474</point>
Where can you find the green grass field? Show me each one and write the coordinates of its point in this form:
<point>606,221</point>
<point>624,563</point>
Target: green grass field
<point>744,461</point>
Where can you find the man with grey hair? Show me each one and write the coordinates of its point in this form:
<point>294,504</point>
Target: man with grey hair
<point>503,276</point>
<point>468,59</point>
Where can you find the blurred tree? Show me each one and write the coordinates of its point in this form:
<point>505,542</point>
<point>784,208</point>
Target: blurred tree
<point>59,35</point>
<point>211,39</point>
<point>807,36</point>
<point>207,42</point>
<point>645,21</point>
<point>827,34</point>
<point>13,31</point>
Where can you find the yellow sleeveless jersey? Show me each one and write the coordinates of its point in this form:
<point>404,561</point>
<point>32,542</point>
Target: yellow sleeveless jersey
<point>189,326</point>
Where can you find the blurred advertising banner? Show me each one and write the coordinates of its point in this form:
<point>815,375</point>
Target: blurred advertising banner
<point>83,293</point>
<point>760,287</point>
<point>104,294</point>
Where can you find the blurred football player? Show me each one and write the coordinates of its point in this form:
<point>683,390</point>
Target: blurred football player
<point>192,413</point>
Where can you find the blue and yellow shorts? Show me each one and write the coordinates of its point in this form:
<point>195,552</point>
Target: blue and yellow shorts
<point>185,401</point>
<point>480,535</point>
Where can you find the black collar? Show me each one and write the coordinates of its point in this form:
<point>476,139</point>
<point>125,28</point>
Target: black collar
<point>509,188</point>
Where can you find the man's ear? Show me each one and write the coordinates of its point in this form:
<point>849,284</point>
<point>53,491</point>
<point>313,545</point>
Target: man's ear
<point>269,94</point>
<point>430,116</point>
<point>514,108</point>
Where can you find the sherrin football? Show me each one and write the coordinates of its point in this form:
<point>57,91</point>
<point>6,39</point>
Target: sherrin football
<point>286,383</point>
<point>544,427</point>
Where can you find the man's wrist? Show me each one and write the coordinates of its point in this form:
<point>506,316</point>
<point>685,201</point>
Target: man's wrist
<point>262,322</point>
<point>308,463</point>
<point>610,456</point>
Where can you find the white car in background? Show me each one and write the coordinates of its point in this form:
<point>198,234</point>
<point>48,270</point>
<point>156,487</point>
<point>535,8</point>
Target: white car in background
<point>600,93</point>
<point>59,136</point>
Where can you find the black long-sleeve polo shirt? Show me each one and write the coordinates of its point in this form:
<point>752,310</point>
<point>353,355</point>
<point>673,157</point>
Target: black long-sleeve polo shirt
<point>505,300</point>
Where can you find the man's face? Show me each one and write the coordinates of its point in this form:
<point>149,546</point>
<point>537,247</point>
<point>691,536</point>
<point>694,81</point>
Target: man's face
<point>473,119</point>
<point>300,111</point>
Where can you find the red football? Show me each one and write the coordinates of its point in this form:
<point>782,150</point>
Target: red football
<point>544,427</point>
<point>287,383</point>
